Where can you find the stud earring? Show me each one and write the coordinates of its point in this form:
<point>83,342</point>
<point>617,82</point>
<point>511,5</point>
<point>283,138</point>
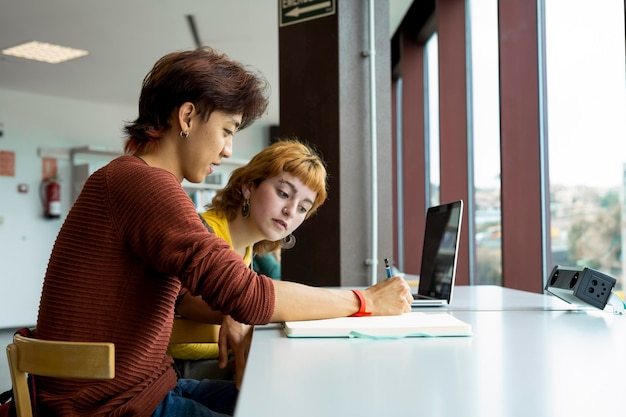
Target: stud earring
<point>288,241</point>
<point>245,209</point>
<point>184,135</point>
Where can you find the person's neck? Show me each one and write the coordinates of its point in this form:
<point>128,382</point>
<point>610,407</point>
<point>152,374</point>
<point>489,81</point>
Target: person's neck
<point>164,156</point>
<point>241,234</point>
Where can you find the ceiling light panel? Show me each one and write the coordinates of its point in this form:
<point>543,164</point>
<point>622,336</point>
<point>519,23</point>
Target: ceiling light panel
<point>44,52</point>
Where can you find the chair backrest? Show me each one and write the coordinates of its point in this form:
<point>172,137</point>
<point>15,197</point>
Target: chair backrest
<point>83,360</point>
<point>191,331</point>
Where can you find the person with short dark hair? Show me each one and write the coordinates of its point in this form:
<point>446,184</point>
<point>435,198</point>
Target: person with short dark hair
<point>133,239</point>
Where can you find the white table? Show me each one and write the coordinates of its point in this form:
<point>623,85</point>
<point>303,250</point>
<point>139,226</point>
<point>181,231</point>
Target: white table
<point>495,298</point>
<point>529,363</point>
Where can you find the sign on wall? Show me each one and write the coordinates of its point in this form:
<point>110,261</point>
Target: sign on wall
<point>298,11</point>
<point>7,163</point>
<point>49,168</point>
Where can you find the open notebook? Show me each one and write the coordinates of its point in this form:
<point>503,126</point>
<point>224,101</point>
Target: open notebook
<point>414,324</point>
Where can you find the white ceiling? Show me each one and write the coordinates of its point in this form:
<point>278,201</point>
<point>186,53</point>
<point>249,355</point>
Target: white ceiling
<point>125,37</point>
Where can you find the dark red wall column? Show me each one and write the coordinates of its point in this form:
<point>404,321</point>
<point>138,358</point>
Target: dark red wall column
<point>413,157</point>
<point>520,146</point>
<point>453,116</point>
<point>324,99</point>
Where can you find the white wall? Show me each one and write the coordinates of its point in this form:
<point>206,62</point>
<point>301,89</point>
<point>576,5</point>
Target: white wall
<point>26,238</point>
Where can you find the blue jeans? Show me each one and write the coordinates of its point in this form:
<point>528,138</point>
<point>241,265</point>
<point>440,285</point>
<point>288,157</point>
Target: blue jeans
<point>205,398</point>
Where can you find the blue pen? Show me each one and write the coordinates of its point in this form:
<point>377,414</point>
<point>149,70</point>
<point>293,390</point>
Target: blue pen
<point>387,268</point>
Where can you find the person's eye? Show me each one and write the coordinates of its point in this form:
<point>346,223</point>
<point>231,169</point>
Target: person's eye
<point>303,209</point>
<point>229,132</point>
<point>281,193</point>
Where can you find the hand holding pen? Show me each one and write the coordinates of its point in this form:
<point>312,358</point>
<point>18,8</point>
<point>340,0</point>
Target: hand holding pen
<point>395,290</point>
<point>387,268</point>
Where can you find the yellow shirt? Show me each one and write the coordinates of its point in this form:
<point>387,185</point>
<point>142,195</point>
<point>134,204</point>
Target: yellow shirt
<point>219,224</point>
<point>195,351</point>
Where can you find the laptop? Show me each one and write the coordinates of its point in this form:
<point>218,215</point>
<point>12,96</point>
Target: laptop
<point>439,255</point>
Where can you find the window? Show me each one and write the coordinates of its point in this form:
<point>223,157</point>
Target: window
<point>586,106</point>
<point>485,125</point>
<point>431,106</point>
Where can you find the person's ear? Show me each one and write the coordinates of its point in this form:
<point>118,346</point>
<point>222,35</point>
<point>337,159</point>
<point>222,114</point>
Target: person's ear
<point>185,113</point>
<point>246,190</point>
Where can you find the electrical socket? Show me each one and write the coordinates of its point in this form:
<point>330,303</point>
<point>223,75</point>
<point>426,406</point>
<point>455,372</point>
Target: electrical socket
<point>595,288</point>
<point>580,285</point>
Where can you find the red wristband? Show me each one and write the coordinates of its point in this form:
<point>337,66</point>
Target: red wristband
<point>362,306</point>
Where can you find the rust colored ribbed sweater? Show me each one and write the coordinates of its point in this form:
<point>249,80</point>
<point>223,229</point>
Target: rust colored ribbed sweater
<point>130,241</point>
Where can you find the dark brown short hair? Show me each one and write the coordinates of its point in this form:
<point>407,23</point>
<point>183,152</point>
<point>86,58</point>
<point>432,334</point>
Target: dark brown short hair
<point>204,77</point>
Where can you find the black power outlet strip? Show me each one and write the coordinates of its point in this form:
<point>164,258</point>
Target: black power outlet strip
<point>580,285</point>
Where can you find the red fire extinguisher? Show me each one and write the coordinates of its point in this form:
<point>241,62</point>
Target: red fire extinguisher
<point>51,198</point>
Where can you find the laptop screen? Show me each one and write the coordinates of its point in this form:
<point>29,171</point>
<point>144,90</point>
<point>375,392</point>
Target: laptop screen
<point>439,254</point>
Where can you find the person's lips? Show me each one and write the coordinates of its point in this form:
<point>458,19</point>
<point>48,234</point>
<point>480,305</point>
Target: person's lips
<point>212,167</point>
<point>282,224</point>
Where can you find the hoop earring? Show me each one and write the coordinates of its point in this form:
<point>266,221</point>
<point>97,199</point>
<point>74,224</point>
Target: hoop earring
<point>183,135</point>
<point>288,242</point>
<point>245,209</point>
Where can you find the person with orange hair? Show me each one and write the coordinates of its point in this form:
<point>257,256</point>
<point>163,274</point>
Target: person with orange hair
<point>257,211</point>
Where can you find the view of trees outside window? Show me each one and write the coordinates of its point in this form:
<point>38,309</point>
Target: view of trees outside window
<point>586,102</point>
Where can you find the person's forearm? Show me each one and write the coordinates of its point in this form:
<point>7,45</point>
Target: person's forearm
<point>300,302</point>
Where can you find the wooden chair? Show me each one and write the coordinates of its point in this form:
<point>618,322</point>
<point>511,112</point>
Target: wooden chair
<point>191,331</point>
<point>82,360</point>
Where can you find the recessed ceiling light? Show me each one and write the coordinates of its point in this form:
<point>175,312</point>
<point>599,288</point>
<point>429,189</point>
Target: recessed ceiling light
<point>44,52</point>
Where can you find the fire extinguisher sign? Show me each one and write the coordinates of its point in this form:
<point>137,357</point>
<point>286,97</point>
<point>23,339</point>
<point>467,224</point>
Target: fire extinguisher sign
<point>48,168</point>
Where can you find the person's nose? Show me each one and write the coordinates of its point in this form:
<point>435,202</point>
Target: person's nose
<point>288,209</point>
<point>227,152</point>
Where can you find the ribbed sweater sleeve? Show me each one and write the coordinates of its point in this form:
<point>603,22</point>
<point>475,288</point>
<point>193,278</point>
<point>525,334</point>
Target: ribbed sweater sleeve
<point>131,241</point>
<point>160,224</point>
